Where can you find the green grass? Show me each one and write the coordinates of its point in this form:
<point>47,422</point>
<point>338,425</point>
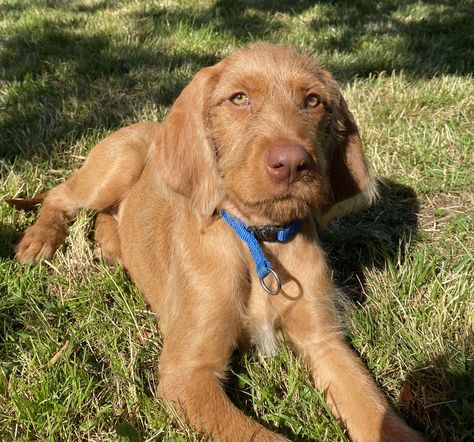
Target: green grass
<point>73,71</point>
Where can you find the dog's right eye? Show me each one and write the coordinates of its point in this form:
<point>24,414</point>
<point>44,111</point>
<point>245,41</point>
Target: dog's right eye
<point>311,101</point>
<point>240,99</point>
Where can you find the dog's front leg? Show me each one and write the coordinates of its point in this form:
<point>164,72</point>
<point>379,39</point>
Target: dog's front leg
<point>313,328</point>
<point>200,331</point>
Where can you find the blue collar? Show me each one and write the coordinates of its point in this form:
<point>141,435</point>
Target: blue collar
<point>251,235</point>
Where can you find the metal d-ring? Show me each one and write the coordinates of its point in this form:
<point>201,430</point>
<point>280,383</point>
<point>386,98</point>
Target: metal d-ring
<point>268,289</point>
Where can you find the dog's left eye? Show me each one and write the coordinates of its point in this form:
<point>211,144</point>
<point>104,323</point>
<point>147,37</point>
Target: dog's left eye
<point>240,99</point>
<point>311,101</point>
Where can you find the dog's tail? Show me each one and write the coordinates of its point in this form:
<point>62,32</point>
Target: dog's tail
<point>26,203</point>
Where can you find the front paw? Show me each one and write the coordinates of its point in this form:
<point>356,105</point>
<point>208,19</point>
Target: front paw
<point>395,430</point>
<point>39,242</point>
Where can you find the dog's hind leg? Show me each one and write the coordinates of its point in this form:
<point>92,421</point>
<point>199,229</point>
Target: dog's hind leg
<point>110,169</point>
<point>107,237</point>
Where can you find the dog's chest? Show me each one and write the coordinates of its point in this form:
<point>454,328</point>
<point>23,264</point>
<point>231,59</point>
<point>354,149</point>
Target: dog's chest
<point>259,321</point>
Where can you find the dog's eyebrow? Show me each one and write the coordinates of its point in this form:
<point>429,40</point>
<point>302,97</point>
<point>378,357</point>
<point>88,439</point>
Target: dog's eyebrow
<point>247,83</point>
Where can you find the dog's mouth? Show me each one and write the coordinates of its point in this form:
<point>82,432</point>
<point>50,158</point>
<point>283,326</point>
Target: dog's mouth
<point>295,202</point>
<point>280,184</point>
<point>284,190</point>
<point>284,204</point>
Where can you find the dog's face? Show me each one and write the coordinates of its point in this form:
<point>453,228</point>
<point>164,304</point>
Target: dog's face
<point>267,131</point>
<point>270,117</point>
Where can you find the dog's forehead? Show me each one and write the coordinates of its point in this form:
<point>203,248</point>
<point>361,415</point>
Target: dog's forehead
<point>272,65</point>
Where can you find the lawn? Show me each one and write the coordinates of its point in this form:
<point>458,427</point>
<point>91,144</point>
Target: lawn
<point>78,346</point>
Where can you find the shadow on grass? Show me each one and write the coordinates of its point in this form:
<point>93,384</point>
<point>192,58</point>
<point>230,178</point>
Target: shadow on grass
<point>67,82</point>
<point>8,237</point>
<point>440,400</point>
<point>422,40</point>
<point>393,35</point>
<point>369,238</point>
<point>434,399</point>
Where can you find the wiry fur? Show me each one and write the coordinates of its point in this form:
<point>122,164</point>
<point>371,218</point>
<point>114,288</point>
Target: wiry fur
<point>158,189</point>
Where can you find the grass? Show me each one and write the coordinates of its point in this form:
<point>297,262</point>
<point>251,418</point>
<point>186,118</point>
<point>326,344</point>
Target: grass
<point>72,72</point>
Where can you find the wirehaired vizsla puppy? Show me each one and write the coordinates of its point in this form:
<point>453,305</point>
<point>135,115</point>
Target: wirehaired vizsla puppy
<point>213,215</point>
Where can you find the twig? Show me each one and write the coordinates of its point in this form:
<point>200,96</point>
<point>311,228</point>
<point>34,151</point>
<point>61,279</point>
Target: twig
<point>55,358</point>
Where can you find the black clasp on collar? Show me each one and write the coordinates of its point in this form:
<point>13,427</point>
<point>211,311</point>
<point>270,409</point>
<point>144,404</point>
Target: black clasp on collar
<point>275,233</point>
<point>267,233</point>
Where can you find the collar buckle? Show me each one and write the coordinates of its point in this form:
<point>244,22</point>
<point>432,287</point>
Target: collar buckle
<point>267,233</point>
<point>275,232</point>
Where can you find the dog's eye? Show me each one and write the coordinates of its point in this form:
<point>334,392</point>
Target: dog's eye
<point>311,101</point>
<point>240,99</point>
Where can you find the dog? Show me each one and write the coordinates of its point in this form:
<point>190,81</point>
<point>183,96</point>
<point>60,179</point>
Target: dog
<point>214,214</point>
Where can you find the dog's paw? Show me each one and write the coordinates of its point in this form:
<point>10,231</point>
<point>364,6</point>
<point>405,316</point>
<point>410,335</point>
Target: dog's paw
<point>39,242</point>
<point>395,430</point>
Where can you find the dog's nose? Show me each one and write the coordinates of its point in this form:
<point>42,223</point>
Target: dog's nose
<point>287,161</point>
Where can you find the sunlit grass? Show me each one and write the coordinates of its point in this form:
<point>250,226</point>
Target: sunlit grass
<point>72,72</point>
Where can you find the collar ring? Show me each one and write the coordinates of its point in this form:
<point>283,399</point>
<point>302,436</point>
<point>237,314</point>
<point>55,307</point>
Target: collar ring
<point>277,280</point>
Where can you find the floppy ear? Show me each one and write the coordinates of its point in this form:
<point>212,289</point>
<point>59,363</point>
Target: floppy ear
<point>184,157</point>
<point>351,185</point>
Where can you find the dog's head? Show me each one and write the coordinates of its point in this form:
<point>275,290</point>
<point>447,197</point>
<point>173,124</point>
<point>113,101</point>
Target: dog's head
<point>268,133</point>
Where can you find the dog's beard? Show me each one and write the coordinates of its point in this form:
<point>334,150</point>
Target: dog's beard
<point>296,203</point>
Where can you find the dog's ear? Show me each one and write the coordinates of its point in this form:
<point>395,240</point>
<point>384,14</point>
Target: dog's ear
<point>184,157</point>
<point>351,185</point>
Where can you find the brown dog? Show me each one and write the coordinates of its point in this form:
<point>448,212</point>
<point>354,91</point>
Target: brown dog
<point>266,137</point>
